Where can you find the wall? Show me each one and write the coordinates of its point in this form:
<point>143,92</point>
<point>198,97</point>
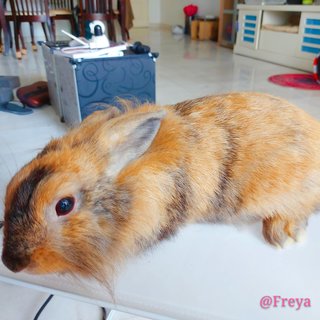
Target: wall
<point>141,13</point>
<point>155,11</point>
<point>170,12</point>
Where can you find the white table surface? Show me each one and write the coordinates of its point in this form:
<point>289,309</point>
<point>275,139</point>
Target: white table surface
<point>206,272</point>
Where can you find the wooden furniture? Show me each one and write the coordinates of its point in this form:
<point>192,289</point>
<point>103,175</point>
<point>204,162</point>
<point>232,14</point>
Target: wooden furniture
<point>61,10</point>
<point>104,10</point>
<point>29,11</point>
<point>284,34</point>
<point>35,11</point>
<point>4,26</point>
<point>97,10</point>
<point>125,17</point>
<point>227,23</point>
<point>6,17</point>
<point>204,29</point>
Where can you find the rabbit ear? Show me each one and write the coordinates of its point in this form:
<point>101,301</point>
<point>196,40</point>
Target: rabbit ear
<point>131,138</point>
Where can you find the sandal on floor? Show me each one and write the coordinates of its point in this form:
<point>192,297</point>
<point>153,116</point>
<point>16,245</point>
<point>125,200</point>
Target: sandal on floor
<point>15,108</point>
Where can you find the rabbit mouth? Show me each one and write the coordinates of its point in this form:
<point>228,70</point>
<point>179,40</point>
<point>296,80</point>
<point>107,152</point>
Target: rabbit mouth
<point>32,268</point>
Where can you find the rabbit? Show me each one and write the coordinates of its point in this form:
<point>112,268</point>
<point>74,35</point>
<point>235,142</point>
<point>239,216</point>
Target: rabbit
<point>122,182</point>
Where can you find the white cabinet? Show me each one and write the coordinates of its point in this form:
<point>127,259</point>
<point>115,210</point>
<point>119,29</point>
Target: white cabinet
<point>283,34</point>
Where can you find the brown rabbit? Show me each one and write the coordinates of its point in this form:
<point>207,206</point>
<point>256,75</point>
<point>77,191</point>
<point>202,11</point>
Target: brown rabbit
<point>120,183</point>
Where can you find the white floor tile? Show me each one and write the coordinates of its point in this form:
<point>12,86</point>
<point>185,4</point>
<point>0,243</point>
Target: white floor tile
<point>17,303</point>
<point>124,316</point>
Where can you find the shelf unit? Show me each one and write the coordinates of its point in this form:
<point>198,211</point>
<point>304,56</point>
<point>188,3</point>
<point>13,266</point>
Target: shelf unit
<point>290,46</point>
<point>227,23</point>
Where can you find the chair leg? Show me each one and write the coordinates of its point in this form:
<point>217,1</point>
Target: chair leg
<point>2,23</point>
<point>1,44</point>
<point>34,47</point>
<point>16,39</point>
<point>122,19</point>
<point>53,27</point>
<point>45,31</point>
<point>10,38</point>
<point>124,31</point>
<point>51,32</point>
<point>111,30</point>
<point>5,28</point>
<point>4,46</point>
<point>82,32</point>
<point>72,24</point>
<point>23,45</point>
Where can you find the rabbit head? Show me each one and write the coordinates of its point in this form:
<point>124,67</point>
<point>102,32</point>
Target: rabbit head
<point>62,210</point>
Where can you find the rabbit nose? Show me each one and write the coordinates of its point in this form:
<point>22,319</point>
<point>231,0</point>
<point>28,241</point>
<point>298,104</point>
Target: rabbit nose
<point>15,262</point>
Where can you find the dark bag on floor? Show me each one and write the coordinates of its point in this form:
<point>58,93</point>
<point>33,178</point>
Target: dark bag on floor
<point>34,95</point>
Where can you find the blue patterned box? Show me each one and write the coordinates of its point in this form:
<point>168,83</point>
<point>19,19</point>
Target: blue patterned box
<point>86,85</point>
<point>104,80</point>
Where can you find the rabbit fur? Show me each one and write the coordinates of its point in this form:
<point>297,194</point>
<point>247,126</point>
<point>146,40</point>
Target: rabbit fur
<point>138,177</point>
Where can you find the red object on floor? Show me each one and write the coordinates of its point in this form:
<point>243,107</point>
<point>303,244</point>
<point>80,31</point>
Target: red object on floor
<point>34,95</point>
<point>297,80</point>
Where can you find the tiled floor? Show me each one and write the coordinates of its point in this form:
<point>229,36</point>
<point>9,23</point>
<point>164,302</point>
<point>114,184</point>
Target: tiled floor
<point>185,69</point>
<point>17,303</point>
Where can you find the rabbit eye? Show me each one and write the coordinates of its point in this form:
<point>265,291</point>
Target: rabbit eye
<point>65,206</point>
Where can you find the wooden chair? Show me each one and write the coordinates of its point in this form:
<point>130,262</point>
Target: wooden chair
<point>125,17</point>
<point>62,10</point>
<point>4,26</point>
<point>6,17</point>
<point>29,11</point>
<point>90,10</point>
